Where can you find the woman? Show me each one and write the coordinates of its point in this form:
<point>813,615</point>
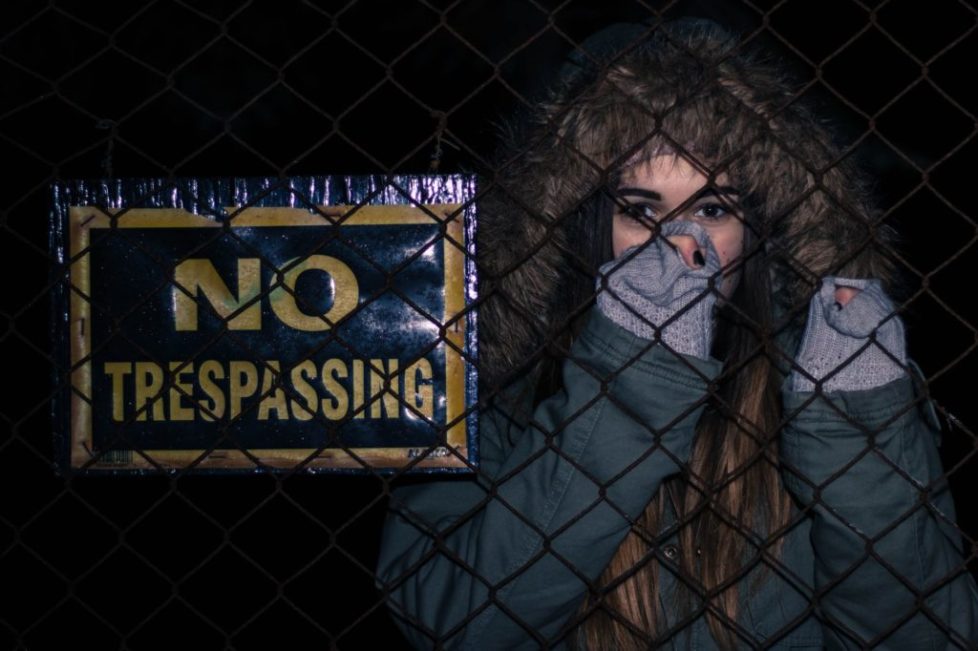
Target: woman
<point>699,428</point>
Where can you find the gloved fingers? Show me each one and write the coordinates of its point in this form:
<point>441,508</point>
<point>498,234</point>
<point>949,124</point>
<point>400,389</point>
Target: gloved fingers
<point>834,346</point>
<point>653,272</point>
<point>659,269</point>
<point>865,307</point>
<point>656,265</point>
<point>834,286</point>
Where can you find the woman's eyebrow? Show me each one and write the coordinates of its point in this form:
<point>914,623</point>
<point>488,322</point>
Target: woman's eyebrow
<point>639,192</point>
<point>708,191</point>
<point>722,191</point>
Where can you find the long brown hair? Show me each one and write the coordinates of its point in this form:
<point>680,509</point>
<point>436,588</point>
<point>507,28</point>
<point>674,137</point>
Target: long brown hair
<point>729,495</point>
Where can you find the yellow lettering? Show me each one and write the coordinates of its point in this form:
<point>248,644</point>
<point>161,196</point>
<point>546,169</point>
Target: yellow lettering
<point>358,388</point>
<point>243,382</point>
<point>149,384</point>
<point>383,388</point>
<point>303,409</point>
<point>213,409</point>
<point>418,391</point>
<point>199,274</point>
<point>272,399</point>
<point>346,293</point>
<point>337,405</point>
<point>216,390</point>
<point>118,371</point>
<point>179,390</point>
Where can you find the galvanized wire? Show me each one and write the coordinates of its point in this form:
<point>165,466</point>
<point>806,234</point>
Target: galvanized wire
<point>217,562</point>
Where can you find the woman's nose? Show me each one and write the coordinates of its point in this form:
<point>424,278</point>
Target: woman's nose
<point>844,294</point>
<point>690,251</point>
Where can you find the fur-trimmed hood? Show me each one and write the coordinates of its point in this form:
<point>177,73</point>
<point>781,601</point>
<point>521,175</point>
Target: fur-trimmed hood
<point>631,91</point>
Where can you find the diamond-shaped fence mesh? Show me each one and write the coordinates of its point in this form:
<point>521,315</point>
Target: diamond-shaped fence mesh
<point>799,484</point>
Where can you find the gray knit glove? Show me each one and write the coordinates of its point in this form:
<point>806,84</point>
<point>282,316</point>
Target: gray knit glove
<point>835,334</point>
<point>647,288</point>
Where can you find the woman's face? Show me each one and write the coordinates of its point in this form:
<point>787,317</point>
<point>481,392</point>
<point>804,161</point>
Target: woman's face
<point>669,186</point>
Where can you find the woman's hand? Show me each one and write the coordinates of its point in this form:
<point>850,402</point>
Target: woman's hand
<point>853,341</point>
<point>664,290</point>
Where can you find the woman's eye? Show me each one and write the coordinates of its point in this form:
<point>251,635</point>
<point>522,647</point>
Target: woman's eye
<point>642,212</point>
<point>713,211</point>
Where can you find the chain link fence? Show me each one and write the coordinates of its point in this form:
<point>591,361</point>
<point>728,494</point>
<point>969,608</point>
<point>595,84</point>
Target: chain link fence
<point>179,88</point>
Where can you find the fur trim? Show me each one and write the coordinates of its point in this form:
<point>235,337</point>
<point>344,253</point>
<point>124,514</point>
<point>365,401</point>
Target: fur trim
<point>689,88</point>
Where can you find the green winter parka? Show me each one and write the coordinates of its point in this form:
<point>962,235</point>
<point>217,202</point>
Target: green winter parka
<point>502,560</point>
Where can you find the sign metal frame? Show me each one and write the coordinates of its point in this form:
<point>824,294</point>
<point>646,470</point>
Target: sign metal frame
<point>83,211</point>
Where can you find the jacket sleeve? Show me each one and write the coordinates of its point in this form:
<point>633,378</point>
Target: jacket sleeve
<point>888,562</point>
<point>503,560</point>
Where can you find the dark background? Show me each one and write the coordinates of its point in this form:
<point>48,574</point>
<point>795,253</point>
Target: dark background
<point>286,87</point>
